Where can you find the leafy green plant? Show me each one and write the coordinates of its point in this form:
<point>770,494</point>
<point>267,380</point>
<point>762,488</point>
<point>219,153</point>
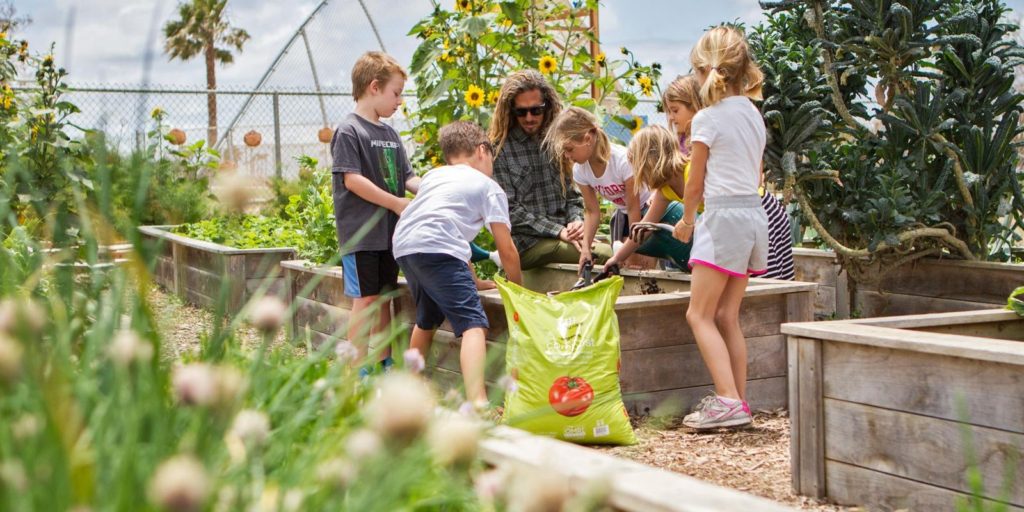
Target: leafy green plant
<point>466,53</point>
<point>284,188</point>
<point>1013,303</point>
<point>312,213</point>
<point>244,231</point>
<point>892,125</point>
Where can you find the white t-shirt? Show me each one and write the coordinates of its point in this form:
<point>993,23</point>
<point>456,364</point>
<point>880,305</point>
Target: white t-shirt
<point>453,203</point>
<point>612,184</point>
<point>735,135</point>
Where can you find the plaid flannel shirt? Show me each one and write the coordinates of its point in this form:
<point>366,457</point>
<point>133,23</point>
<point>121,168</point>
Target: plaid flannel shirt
<point>538,206</point>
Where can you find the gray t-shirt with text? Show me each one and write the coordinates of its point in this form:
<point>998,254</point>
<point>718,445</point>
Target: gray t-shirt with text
<point>375,152</point>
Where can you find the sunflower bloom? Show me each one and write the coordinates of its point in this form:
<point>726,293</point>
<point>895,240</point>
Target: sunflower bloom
<point>463,5</point>
<point>492,97</point>
<point>474,96</point>
<point>638,123</point>
<point>600,59</point>
<point>645,84</point>
<point>547,64</point>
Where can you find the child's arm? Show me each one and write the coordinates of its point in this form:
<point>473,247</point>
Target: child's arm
<point>481,284</point>
<point>693,192</point>
<point>413,184</point>
<point>633,206</point>
<point>361,186</point>
<point>591,218</point>
<point>507,251</point>
<point>654,214</point>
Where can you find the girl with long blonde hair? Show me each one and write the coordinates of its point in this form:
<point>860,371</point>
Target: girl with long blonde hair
<point>599,168</point>
<point>730,240</point>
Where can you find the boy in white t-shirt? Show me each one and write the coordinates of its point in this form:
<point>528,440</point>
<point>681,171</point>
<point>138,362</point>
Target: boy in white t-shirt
<point>432,247</point>
<point>600,169</point>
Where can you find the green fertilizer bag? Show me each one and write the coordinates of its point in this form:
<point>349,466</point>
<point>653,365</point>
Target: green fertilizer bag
<point>563,351</point>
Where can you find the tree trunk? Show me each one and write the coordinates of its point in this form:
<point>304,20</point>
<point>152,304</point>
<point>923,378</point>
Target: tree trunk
<point>211,96</point>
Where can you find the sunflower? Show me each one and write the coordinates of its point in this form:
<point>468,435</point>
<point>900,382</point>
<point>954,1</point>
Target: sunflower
<point>638,123</point>
<point>492,97</point>
<point>547,64</point>
<point>474,96</point>
<point>645,84</point>
<point>447,57</point>
<point>463,5</point>
<point>600,59</point>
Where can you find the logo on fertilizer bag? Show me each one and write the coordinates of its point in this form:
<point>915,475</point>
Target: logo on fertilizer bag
<point>570,396</point>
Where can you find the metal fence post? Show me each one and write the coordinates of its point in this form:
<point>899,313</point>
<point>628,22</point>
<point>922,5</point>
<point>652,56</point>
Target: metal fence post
<point>277,136</point>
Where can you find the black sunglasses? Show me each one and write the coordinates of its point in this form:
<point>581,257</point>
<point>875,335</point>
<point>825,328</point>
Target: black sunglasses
<point>534,111</point>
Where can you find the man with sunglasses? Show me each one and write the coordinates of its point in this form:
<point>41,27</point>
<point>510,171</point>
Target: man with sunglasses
<point>545,210</point>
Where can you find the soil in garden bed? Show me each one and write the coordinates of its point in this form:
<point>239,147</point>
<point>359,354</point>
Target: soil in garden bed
<point>753,460</point>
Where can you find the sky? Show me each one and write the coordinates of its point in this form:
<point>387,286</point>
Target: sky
<point>105,41</point>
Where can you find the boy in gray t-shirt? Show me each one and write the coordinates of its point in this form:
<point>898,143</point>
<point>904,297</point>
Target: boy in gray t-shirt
<point>370,176</point>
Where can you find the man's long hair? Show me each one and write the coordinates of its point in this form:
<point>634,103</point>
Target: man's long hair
<point>504,118</point>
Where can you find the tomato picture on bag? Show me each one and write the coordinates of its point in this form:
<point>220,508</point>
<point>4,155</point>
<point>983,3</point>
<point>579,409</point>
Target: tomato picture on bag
<point>570,396</point>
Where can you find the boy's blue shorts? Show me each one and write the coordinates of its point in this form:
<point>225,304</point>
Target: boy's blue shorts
<point>443,287</point>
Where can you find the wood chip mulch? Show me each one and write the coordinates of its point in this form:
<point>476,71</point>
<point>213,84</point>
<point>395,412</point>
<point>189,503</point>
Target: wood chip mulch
<point>753,460</point>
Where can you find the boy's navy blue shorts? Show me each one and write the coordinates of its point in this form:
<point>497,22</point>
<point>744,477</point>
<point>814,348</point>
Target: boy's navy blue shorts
<point>369,273</point>
<point>443,287</point>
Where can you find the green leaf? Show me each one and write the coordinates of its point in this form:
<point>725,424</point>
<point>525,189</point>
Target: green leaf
<point>1014,304</point>
<point>475,26</point>
<point>513,11</point>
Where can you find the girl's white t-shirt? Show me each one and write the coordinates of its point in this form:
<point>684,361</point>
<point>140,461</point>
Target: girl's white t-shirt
<point>612,184</point>
<point>735,135</point>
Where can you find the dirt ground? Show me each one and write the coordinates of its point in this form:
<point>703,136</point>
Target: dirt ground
<point>754,460</point>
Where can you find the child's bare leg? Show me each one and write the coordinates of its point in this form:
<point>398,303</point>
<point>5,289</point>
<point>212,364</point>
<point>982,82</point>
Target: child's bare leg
<point>421,340</point>
<point>359,322</point>
<point>705,292</point>
<point>728,320</point>
<point>472,359</point>
<point>382,326</point>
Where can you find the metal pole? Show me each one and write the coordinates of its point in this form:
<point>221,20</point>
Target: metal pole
<point>277,60</point>
<point>316,78</point>
<point>277,137</point>
<point>373,26</point>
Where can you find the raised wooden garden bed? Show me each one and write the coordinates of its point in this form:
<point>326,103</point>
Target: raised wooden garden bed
<point>660,360</point>
<point>925,286</point>
<point>887,412</point>
<point>197,271</point>
<point>630,486</point>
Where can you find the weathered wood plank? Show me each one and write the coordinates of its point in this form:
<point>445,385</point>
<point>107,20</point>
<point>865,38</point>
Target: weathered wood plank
<point>908,445</point>
<point>982,349</point>
<point>1012,330</point>
<point>276,287</point>
<point>872,304</point>
<point>201,281</point>
<point>991,394</point>
<point>633,487</point>
<point>265,264</point>
<point>320,317</point>
<point>852,485</point>
<point>964,281</point>
<point>163,272</point>
<point>681,366</point>
<point>445,353</point>
<point>799,307</point>
<point>321,288</point>
<point>665,325</point>
<point>811,417</point>
<point>816,267</point>
<point>197,258</point>
<point>765,394</point>
<point>795,434</point>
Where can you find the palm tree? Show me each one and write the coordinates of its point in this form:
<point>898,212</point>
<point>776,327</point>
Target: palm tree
<point>203,27</point>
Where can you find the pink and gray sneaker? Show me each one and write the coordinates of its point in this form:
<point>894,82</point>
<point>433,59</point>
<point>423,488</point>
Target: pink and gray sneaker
<point>713,412</point>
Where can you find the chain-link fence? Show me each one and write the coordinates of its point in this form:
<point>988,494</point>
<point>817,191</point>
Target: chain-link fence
<point>288,121</point>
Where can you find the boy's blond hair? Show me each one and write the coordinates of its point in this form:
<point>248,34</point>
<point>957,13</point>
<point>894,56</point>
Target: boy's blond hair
<point>372,66</point>
<point>461,138</point>
<point>571,125</point>
<point>685,90</point>
<point>655,157</point>
<point>724,56</point>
